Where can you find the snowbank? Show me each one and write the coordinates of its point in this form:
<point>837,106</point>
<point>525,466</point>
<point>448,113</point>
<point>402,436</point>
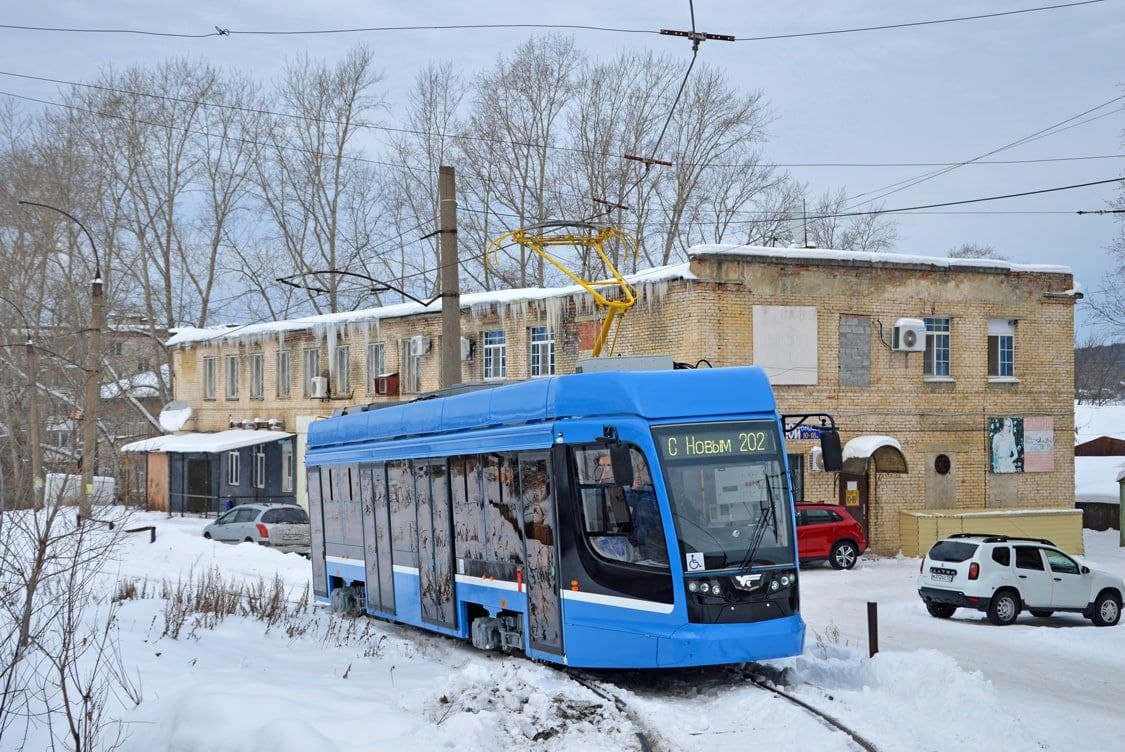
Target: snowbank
<point>1094,421</point>
<point>1095,478</point>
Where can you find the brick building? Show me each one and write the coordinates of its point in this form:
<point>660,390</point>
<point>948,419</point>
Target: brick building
<point>967,427</point>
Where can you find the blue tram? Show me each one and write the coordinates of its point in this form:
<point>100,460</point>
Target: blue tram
<point>599,520</point>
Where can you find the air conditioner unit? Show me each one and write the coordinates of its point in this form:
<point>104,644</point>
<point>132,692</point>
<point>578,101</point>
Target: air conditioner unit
<point>275,424</point>
<point>233,423</point>
<point>419,345</point>
<point>319,386</point>
<point>248,424</point>
<point>816,460</point>
<point>909,335</point>
<point>466,348</point>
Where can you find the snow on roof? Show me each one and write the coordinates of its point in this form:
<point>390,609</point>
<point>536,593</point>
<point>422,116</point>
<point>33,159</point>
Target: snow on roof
<point>187,334</point>
<point>209,443</point>
<point>1094,421</point>
<point>863,257</point>
<point>862,447</point>
<point>139,385</point>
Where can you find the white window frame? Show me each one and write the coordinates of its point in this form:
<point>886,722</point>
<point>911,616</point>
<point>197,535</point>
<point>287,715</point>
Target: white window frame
<point>342,360</point>
<point>1003,331</point>
<point>284,374</point>
<point>376,362</point>
<point>232,375</point>
<point>410,377</point>
<point>210,376</point>
<point>287,466</point>
<point>542,339</point>
<point>312,353</point>
<point>259,468</point>
<point>257,376</point>
<point>494,359</point>
<point>939,330</point>
<point>233,469</point>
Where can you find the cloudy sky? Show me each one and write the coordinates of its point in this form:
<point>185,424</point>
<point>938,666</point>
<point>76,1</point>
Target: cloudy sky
<point>939,93</point>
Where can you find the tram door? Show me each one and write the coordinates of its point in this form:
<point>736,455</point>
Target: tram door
<point>377,539</point>
<point>316,533</point>
<point>435,543</point>
<point>541,574</point>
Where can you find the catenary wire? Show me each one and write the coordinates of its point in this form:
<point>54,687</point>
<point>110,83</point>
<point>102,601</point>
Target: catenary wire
<point>231,32</point>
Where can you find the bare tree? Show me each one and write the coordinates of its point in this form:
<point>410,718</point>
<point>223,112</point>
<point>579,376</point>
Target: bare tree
<point>830,227</point>
<point>976,251</point>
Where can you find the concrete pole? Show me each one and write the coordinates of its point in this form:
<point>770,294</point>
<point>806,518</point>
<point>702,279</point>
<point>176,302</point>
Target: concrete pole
<point>1121,512</point>
<point>33,417</point>
<point>450,284</point>
<point>93,395</point>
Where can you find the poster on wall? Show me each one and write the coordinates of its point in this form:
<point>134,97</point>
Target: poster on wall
<point>1005,443</point>
<point>1038,445</point>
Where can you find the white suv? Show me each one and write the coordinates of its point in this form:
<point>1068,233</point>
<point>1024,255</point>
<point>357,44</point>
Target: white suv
<point>1001,575</point>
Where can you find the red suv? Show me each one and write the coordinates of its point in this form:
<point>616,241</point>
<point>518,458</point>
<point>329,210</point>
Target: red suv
<point>827,531</point>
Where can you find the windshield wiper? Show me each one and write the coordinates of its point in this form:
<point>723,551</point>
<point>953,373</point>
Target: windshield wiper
<point>709,534</point>
<point>760,528</point>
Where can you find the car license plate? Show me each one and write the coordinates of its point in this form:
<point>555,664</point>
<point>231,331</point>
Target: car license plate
<point>939,574</point>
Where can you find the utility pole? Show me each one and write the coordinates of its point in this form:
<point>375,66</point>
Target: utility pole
<point>93,368</point>
<point>450,285</point>
<point>33,417</point>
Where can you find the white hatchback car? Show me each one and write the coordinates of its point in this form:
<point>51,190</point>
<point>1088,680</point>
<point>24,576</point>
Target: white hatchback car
<point>1001,575</point>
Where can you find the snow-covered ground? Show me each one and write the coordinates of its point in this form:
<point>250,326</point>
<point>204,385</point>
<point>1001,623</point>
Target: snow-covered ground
<point>330,683</point>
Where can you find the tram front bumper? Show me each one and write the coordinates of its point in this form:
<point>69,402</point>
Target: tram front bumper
<point>713,644</point>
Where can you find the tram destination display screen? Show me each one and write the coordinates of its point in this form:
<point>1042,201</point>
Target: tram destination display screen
<point>705,441</point>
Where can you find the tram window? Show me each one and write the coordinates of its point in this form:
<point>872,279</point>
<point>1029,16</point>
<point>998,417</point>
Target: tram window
<point>501,516</point>
<point>621,522</point>
<point>404,521</point>
<point>467,498</point>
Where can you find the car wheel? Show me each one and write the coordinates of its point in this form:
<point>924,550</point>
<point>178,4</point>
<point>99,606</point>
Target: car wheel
<point>1042,613</point>
<point>1004,608</point>
<point>843,555</point>
<point>207,536</point>
<point>1107,609</point>
<point>941,610</point>
<point>248,540</point>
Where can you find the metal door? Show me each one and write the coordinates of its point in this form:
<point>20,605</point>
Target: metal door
<point>316,534</point>
<point>376,539</point>
<point>435,552</point>
<point>197,488</point>
<point>853,496</point>
<point>541,574</point>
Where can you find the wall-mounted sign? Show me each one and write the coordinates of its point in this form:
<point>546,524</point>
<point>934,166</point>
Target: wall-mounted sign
<point>1005,445</point>
<point>1038,445</point>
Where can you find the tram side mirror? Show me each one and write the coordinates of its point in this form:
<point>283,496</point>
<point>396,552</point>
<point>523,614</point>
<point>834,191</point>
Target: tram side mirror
<point>622,464</point>
<point>830,450</point>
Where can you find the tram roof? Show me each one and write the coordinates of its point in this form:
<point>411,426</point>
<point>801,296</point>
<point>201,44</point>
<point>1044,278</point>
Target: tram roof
<point>653,395</point>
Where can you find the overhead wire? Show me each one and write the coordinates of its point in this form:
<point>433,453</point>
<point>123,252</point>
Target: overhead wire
<point>220,31</point>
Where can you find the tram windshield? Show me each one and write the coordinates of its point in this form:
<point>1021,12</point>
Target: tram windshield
<point>728,493</point>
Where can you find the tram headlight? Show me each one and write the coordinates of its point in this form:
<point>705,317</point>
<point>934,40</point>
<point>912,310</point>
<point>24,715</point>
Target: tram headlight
<point>785,580</point>
<point>715,589</point>
<point>775,585</point>
<point>692,586</point>
<point>704,588</point>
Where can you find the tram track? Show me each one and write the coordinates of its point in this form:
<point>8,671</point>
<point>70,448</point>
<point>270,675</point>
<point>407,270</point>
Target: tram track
<point>763,677</point>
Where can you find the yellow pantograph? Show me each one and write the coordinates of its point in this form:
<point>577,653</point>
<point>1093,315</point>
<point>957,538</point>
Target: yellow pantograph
<point>540,238</point>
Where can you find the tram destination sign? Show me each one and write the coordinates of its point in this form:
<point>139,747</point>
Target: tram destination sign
<point>702,441</point>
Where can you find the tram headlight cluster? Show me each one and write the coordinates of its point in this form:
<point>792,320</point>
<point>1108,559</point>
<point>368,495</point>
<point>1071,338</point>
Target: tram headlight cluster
<point>782,580</point>
<point>706,587</point>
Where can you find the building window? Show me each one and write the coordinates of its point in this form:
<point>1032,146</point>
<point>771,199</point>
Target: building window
<point>343,368</point>
<point>260,468</point>
<point>117,349</point>
<point>287,467</point>
<point>410,374</point>
<point>210,376</point>
<point>283,378</point>
<point>375,362</point>
<point>495,355</point>
<point>935,361</point>
<point>1001,348</point>
<point>542,351</point>
<point>232,377</point>
<point>144,365</point>
<point>232,468</point>
<point>312,369</point>
<point>257,376</point>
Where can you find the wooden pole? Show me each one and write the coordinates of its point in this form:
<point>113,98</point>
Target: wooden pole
<point>33,417</point>
<point>449,279</point>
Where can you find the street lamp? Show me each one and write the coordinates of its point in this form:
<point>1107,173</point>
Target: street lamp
<point>93,367</point>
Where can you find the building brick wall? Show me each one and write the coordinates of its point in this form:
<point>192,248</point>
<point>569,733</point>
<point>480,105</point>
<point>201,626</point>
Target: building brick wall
<point>866,386</point>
